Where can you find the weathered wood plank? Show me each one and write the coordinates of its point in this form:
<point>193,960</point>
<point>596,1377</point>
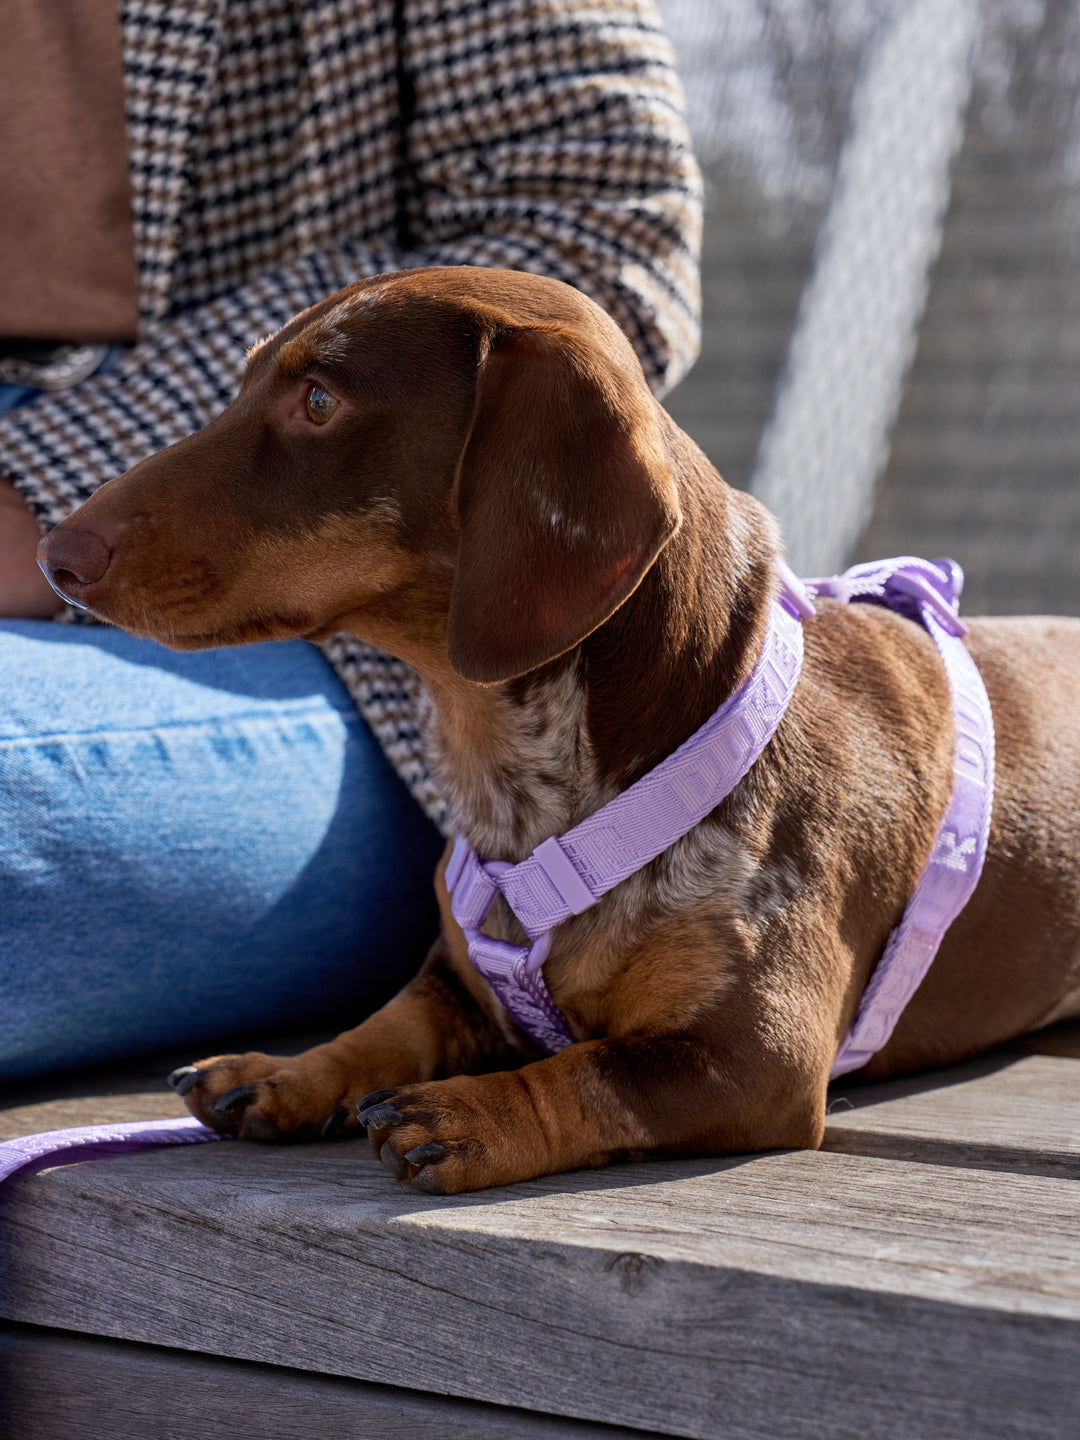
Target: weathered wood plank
<point>59,1386</point>
<point>1018,1115</point>
<point>89,1110</point>
<point>869,1231</point>
<point>799,1295</point>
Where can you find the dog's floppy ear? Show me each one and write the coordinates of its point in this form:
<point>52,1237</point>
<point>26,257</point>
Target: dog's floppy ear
<point>565,497</point>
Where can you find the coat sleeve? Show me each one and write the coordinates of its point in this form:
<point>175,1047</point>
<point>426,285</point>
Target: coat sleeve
<point>545,136</point>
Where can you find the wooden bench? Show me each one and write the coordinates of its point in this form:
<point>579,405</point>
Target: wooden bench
<point>917,1278</point>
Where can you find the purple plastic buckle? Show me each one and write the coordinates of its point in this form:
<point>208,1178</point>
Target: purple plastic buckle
<point>473,888</point>
<point>499,959</point>
<point>794,595</point>
<point>903,585</point>
<point>560,870</point>
<point>942,595</point>
<point>470,884</point>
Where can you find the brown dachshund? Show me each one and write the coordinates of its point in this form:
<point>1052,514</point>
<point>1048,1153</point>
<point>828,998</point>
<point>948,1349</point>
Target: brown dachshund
<point>465,468</point>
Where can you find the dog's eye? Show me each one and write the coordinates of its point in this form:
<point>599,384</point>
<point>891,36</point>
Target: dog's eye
<point>320,405</point>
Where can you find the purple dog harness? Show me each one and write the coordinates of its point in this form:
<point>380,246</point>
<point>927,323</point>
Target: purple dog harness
<point>567,874</point>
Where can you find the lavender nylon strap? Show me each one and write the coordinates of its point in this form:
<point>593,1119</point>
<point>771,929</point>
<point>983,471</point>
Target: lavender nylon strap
<point>62,1147</point>
<point>566,875</point>
<point>691,783</point>
<point>955,864</point>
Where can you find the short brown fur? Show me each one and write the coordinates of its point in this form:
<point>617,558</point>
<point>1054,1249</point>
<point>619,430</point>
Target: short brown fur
<point>499,501</point>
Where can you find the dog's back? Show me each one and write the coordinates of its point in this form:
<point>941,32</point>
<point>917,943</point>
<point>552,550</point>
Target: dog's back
<point>1011,961</point>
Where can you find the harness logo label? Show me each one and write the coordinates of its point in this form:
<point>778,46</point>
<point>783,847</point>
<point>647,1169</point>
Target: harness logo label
<point>953,856</point>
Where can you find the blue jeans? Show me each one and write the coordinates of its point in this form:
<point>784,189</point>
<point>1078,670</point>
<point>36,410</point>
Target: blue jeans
<point>192,846</point>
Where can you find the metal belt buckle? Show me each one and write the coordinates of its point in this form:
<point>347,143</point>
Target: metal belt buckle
<point>55,369</point>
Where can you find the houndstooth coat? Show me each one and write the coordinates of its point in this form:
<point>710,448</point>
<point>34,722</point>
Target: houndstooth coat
<point>281,149</point>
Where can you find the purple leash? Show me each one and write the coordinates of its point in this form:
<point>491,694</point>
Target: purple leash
<point>88,1142</point>
<point>567,874</point>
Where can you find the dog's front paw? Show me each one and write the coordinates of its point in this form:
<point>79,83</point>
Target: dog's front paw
<point>268,1097</point>
<point>446,1136</point>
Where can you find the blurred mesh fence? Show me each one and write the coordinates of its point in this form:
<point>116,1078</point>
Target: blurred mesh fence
<point>892,279</point>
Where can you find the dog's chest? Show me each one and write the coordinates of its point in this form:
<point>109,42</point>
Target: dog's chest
<point>513,770</point>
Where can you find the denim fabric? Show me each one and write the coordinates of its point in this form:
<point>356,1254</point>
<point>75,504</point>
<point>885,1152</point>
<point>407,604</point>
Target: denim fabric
<point>12,397</point>
<point>192,845</point>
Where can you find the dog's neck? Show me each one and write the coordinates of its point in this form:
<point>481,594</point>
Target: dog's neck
<point>526,759</point>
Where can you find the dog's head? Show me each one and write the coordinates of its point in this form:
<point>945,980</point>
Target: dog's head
<point>452,463</point>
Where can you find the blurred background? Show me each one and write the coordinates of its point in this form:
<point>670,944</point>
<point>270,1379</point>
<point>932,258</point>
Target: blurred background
<point>891,356</point>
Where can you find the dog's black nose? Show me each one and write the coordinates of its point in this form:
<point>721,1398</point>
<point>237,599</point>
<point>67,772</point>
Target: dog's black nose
<point>71,560</point>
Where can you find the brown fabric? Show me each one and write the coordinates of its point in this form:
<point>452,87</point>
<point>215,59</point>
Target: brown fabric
<point>67,266</point>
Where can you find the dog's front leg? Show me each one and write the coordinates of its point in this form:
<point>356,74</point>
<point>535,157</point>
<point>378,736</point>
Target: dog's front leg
<point>434,1026</point>
<point>601,1100</point>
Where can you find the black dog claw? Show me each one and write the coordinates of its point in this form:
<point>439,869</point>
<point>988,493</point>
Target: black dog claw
<point>429,1154</point>
<point>382,1116</point>
<point>373,1098</point>
<point>335,1123</point>
<point>238,1095</point>
<point>184,1079</point>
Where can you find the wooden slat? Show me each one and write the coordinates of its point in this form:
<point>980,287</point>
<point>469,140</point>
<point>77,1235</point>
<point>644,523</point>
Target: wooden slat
<point>89,1110</point>
<point>59,1386</point>
<point>1018,1115</point>
<point>642,1295</point>
<point>797,1295</point>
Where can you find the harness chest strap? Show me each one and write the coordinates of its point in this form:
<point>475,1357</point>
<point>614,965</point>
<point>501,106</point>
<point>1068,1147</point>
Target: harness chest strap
<point>568,874</point>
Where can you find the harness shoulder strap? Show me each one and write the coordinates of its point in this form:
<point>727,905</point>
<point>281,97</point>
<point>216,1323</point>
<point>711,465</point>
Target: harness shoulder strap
<point>929,592</point>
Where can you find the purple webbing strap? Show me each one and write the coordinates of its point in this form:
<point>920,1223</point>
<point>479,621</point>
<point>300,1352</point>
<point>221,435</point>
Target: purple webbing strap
<point>571,873</point>
<point>565,875</point>
<point>63,1147</point>
<point>928,592</point>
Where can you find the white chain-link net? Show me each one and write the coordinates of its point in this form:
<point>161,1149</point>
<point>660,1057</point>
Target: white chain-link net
<point>827,441</point>
<point>826,131</point>
<point>893,81</point>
